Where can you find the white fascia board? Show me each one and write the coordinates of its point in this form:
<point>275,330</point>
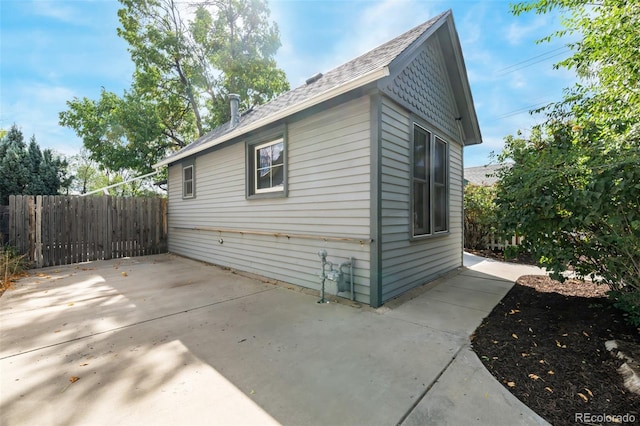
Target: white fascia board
<point>315,100</point>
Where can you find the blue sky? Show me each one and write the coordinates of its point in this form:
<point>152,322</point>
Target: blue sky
<point>53,50</point>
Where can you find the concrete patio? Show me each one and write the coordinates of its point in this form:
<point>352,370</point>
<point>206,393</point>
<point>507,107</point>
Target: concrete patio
<point>167,340</point>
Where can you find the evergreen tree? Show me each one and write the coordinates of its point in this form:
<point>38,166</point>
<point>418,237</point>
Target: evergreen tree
<point>14,165</point>
<point>35,186</point>
<point>52,174</point>
<point>26,170</point>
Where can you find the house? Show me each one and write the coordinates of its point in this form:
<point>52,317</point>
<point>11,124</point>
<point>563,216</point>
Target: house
<point>363,162</point>
<point>483,175</point>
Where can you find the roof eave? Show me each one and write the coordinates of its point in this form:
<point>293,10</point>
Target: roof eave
<point>356,83</point>
<point>473,136</point>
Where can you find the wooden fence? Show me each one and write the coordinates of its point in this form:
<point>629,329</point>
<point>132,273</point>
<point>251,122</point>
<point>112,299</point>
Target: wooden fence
<point>61,230</point>
<point>495,243</point>
<point>4,225</point>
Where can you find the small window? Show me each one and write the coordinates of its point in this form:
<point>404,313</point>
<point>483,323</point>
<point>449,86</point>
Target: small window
<point>430,204</point>
<point>188,181</point>
<point>267,168</point>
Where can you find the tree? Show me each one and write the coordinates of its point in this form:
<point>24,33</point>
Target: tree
<point>28,170</point>
<point>573,188</point>
<point>14,165</point>
<point>35,186</point>
<point>86,174</point>
<point>184,73</point>
<point>89,176</point>
<point>605,58</point>
<point>119,133</point>
<point>236,38</point>
<point>52,175</point>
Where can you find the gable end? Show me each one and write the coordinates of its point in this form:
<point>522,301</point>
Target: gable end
<point>423,87</point>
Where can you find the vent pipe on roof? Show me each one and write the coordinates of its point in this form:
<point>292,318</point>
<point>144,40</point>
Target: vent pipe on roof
<point>313,78</point>
<point>234,101</point>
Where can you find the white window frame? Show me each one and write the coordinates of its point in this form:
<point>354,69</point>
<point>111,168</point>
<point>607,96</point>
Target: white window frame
<point>255,165</point>
<point>185,181</point>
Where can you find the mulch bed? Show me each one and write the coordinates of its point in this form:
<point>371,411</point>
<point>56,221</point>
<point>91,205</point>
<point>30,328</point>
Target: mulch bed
<point>523,258</point>
<point>545,342</point>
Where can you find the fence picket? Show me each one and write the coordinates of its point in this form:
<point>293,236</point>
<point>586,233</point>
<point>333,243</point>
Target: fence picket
<point>18,225</point>
<point>495,243</point>
<point>45,227</point>
<point>31,206</point>
<point>38,232</point>
<point>108,229</point>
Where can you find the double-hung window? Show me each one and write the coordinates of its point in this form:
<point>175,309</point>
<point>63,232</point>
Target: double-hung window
<point>188,181</point>
<point>430,200</point>
<point>269,167</point>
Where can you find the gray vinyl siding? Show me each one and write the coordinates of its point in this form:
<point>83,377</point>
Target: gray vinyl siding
<point>407,263</point>
<point>328,196</point>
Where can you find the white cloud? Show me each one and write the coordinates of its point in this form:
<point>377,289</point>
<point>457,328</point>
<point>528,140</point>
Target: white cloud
<point>471,30</point>
<point>530,32</point>
<point>517,80</point>
<point>360,27</point>
<point>48,95</point>
<point>378,24</point>
<point>57,10</point>
<point>35,110</point>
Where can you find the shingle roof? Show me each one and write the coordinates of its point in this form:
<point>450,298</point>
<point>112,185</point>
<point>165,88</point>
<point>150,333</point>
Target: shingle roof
<point>483,175</point>
<point>374,60</point>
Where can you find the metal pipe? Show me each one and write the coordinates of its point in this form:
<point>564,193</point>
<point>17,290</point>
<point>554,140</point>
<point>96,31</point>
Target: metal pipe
<point>120,183</point>
<point>353,294</point>
<point>323,275</point>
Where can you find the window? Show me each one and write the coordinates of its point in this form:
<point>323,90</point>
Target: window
<point>267,168</point>
<point>188,181</point>
<point>430,204</point>
<point>421,185</point>
<point>440,203</point>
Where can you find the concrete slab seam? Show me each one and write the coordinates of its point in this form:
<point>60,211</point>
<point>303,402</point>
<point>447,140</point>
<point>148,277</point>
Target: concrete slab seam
<point>133,324</point>
<point>460,306</point>
<point>452,333</point>
<point>431,385</point>
<point>487,277</point>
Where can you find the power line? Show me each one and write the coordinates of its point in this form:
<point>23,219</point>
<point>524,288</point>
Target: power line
<point>519,111</point>
<point>534,57</point>
<point>533,60</point>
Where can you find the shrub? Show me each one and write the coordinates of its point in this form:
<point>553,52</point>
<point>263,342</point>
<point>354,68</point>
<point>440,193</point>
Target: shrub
<point>12,264</point>
<point>573,192</point>
<point>479,215</point>
<point>628,302</point>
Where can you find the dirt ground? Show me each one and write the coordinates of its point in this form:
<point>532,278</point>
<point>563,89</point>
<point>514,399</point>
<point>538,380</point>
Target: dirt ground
<point>545,342</point>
